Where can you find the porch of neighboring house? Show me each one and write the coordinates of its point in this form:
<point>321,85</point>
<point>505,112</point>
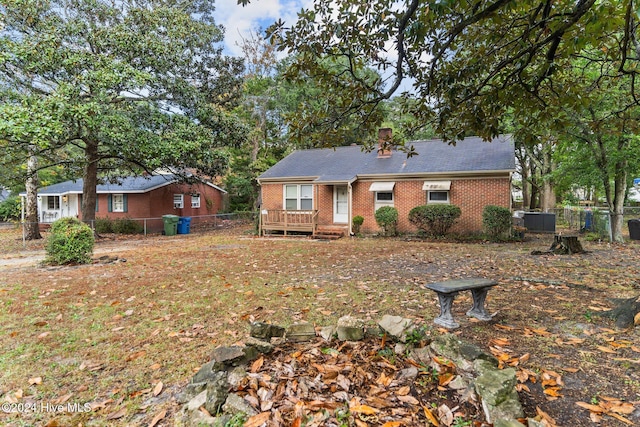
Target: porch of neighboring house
<point>55,207</point>
<point>305,221</point>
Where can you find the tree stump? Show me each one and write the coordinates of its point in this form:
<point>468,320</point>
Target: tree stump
<point>566,244</point>
<point>626,312</point>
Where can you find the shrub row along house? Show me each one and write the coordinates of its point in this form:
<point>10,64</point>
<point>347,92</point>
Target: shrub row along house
<point>132,197</point>
<point>321,190</point>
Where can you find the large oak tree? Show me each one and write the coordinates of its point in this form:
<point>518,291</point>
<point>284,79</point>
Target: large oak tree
<point>469,62</point>
<point>139,85</point>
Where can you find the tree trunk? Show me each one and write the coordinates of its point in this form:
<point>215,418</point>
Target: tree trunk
<point>31,226</point>
<point>533,198</point>
<point>90,182</point>
<point>548,187</point>
<point>526,201</point>
<point>548,196</point>
<point>617,209</point>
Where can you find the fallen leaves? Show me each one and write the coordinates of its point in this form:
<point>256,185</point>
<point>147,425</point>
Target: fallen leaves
<point>158,388</point>
<point>360,381</point>
<point>609,406</point>
<point>159,416</point>
<point>35,381</point>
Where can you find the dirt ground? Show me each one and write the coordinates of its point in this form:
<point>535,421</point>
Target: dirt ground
<point>176,297</point>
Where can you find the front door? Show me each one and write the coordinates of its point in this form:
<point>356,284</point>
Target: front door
<point>340,204</point>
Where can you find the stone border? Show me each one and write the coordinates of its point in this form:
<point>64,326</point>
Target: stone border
<point>477,370</point>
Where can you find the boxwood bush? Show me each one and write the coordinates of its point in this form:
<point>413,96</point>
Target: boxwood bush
<point>387,220</point>
<point>118,226</point>
<point>357,221</point>
<point>496,221</point>
<point>126,226</point>
<point>103,225</point>
<point>435,219</point>
<point>69,242</point>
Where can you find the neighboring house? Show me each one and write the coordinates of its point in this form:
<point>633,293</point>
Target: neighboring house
<point>3,194</point>
<point>132,197</point>
<point>321,189</point>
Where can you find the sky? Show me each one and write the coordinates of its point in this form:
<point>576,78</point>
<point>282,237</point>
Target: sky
<point>239,21</point>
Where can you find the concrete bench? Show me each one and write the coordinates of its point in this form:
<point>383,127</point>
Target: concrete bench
<point>447,292</point>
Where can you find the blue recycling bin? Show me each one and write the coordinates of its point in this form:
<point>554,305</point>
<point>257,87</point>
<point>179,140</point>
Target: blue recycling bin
<point>588,221</point>
<point>184,225</point>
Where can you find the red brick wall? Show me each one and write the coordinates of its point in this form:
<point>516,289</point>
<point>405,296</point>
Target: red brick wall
<point>272,196</point>
<point>158,202</point>
<point>471,195</point>
<point>324,204</point>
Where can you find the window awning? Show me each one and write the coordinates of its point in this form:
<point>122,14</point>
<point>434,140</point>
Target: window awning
<point>382,186</point>
<point>436,186</point>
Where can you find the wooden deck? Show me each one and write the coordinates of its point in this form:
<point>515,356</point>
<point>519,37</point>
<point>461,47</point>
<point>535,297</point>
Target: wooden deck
<point>288,220</point>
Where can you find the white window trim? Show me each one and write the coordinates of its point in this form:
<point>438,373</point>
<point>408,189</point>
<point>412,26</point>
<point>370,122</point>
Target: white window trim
<point>178,201</point>
<point>299,197</point>
<point>195,201</point>
<point>380,203</point>
<point>438,202</point>
<point>117,203</point>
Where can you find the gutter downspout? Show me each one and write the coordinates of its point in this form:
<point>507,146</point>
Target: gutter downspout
<point>350,204</point>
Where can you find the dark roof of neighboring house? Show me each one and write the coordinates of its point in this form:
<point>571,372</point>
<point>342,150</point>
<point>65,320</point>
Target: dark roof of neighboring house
<point>434,157</point>
<point>137,184</point>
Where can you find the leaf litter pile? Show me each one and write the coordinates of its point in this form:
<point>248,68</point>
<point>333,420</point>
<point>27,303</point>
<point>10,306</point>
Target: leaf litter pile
<point>354,383</point>
<point>124,338</point>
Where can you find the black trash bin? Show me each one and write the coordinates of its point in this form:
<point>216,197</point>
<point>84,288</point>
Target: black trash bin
<point>634,229</point>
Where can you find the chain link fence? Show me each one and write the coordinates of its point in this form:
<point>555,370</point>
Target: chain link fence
<point>155,226</point>
<point>593,220</point>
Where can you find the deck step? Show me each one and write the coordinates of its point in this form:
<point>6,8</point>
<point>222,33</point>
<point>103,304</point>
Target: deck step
<point>328,234</point>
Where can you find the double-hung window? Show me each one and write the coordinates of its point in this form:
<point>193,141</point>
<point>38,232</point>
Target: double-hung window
<point>178,201</point>
<point>298,197</point>
<point>53,202</point>
<point>117,201</point>
<point>437,191</point>
<point>437,197</point>
<point>383,194</point>
<point>195,201</point>
<point>383,198</point>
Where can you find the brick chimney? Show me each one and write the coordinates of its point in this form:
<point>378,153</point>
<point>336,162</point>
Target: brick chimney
<point>384,141</point>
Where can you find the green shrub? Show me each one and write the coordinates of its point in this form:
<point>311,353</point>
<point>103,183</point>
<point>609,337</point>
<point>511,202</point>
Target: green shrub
<point>387,220</point>
<point>70,241</point>
<point>357,221</point>
<point>103,225</point>
<point>10,208</point>
<point>126,226</point>
<point>496,221</point>
<point>436,219</point>
<point>118,226</point>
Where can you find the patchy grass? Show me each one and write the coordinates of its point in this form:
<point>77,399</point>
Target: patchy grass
<point>107,334</point>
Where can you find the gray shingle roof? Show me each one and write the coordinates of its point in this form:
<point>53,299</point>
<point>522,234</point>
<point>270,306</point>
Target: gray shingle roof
<point>133,184</point>
<point>434,157</point>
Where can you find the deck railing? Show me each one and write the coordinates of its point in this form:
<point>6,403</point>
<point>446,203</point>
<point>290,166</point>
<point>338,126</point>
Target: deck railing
<point>288,220</point>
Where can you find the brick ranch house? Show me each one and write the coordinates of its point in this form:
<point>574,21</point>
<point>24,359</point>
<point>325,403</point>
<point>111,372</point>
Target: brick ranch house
<point>321,190</point>
<point>132,197</point>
